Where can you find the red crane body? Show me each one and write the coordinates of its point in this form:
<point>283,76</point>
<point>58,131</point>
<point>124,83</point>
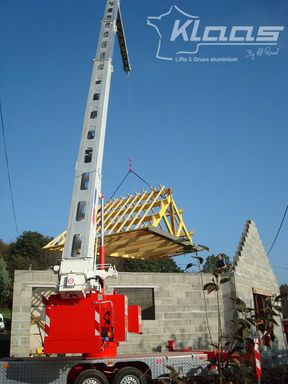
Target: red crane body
<point>93,326</point>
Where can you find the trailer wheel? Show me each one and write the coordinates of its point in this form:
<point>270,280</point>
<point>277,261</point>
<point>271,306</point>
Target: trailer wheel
<point>91,376</point>
<point>129,375</point>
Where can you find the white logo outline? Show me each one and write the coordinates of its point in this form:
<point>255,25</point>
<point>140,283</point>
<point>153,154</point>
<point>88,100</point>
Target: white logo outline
<point>158,55</point>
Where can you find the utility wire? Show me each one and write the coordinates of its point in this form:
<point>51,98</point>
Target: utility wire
<point>279,229</point>
<point>273,266</point>
<point>8,169</point>
<point>278,266</point>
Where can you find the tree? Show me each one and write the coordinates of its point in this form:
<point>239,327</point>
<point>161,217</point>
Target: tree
<point>211,263</point>
<point>284,300</point>
<point>27,253</point>
<point>5,282</point>
<point>215,285</point>
<point>4,248</point>
<point>161,265</point>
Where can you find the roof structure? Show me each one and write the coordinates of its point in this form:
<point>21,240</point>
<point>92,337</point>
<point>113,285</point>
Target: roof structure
<point>141,226</point>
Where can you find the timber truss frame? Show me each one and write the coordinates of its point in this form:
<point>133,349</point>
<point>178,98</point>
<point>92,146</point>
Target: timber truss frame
<point>144,225</point>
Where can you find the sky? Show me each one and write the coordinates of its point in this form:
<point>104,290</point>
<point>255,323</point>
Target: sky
<point>215,132</point>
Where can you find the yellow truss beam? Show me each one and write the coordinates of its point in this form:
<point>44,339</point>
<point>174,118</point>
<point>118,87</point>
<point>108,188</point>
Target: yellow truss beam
<point>154,209</point>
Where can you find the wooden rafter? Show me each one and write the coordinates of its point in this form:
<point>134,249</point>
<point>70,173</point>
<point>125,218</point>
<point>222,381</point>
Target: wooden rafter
<point>127,219</point>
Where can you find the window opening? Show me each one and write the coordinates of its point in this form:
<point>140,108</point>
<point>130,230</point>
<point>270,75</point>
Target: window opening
<point>91,134</point>
<point>76,245</point>
<point>101,66</point>
<point>144,297</point>
<point>81,209</point>
<point>96,96</point>
<point>260,305</point>
<point>93,114</point>
<point>84,181</point>
<point>88,155</point>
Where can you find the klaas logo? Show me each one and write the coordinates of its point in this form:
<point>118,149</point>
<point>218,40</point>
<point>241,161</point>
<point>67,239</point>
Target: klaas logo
<point>188,31</point>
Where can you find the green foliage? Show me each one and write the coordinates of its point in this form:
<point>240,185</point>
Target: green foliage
<point>210,264</point>
<point>6,312</point>
<point>210,287</point>
<point>162,265</point>
<point>247,327</point>
<point>27,253</point>
<point>190,265</point>
<point>172,372</point>
<point>4,248</point>
<point>215,285</point>
<point>284,300</point>
<point>5,282</point>
<point>199,261</point>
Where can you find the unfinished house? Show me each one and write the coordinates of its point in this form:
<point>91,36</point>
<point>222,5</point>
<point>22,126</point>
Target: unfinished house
<point>173,304</point>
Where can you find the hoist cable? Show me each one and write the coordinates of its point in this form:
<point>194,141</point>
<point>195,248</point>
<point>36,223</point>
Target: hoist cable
<point>129,116</point>
<point>116,190</point>
<point>130,142</point>
<point>130,171</point>
<point>8,168</point>
<point>139,177</point>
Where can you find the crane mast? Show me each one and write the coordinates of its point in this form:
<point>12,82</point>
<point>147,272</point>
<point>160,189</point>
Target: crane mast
<point>81,317</point>
<point>78,272</point>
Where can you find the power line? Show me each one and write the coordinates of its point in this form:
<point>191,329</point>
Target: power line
<point>278,266</point>
<point>279,229</point>
<point>273,266</point>
<point>8,169</point>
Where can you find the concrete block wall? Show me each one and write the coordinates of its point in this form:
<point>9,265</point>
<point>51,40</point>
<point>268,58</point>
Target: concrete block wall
<point>179,310</point>
<point>24,282</point>
<point>253,271</point>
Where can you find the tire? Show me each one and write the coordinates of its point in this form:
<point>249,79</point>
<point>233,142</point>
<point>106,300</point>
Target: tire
<point>91,376</point>
<point>129,375</point>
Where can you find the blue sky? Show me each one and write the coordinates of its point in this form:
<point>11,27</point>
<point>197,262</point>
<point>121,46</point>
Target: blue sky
<point>214,132</point>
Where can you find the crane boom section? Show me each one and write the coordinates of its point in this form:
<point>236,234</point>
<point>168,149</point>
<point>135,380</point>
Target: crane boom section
<point>122,43</point>
<point>78,271</point>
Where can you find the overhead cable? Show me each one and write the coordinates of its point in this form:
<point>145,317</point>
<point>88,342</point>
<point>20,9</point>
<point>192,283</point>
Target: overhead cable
<point>279,229</point>
<point>8,169</point>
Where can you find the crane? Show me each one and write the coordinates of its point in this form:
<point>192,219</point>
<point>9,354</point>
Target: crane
<point>80,317</point>
<point>78,272</point>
